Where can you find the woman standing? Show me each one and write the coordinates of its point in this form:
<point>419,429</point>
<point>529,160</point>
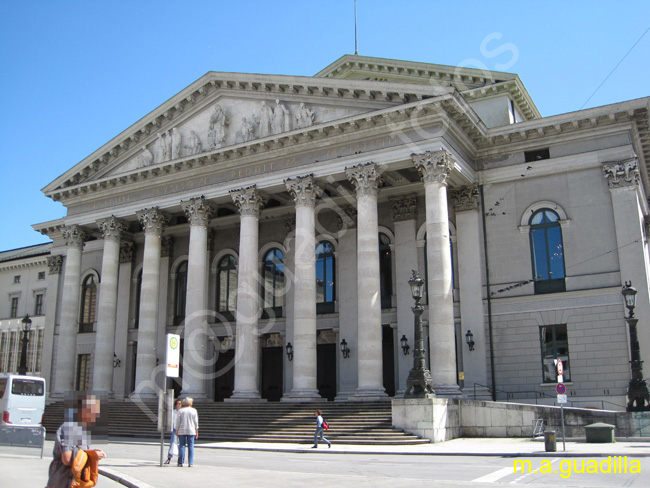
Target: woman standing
<point>319,430</point>
<point>173,441</point>
<point>187,430</point>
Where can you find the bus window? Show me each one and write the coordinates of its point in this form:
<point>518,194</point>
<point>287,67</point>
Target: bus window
<point>27,387</point>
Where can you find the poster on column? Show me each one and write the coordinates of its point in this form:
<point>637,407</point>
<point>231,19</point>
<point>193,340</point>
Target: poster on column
<point>173,355</point>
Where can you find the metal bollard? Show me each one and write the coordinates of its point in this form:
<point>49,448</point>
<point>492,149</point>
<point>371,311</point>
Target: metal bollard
<point>549,441</point>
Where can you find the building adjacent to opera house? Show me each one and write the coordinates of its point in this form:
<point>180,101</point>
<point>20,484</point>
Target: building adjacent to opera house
<point>253,214</point>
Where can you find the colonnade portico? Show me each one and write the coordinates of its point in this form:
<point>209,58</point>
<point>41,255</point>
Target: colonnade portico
<point>302,329</point>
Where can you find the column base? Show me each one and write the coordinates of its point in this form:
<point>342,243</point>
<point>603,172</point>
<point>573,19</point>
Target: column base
<point>245,396</point>
<point>369,395</point>
<point>302,396</point>
<point>448,391</point>
<point>344,396</point>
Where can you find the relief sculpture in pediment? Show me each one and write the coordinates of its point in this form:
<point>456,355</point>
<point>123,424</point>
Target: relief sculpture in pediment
<point>210,131</point>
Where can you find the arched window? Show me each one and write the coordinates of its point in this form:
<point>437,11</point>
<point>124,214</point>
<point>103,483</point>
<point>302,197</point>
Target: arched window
<point>385,271</point>
<point>180,293</point>
<point>325,279</point>
<point>274,282</point>
<point>227,286</point>
<point>138,293</point>
<point>88,304</point>
<point>547,251</point>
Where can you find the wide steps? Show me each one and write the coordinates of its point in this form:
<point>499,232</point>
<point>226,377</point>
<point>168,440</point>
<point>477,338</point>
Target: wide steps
<point>350,422</point>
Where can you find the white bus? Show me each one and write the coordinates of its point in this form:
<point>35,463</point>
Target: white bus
<point>22,400</point>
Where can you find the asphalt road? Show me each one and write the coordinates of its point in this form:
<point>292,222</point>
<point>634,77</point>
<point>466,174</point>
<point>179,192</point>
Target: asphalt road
<point>219,467</point>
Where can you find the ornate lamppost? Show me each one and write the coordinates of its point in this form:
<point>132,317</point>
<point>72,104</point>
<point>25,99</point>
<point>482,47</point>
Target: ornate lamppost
<point>638,397</point>
<point>419,383</point>
<point>27,324</point>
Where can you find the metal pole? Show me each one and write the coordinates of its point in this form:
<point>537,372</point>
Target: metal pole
<point>563,433</point>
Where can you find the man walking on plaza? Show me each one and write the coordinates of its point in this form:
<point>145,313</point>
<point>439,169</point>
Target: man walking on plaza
<point>187,430</point>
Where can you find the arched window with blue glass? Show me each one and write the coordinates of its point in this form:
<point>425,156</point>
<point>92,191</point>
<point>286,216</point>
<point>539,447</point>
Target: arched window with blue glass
<point>180,293</point>
<point>274,282</point>
<point>325,278</point>
<point>385,271</point>
<point>547,251</point>
<point>227,286</point>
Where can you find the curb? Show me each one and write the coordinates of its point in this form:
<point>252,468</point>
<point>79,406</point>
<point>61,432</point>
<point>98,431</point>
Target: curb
<point>123,479</point>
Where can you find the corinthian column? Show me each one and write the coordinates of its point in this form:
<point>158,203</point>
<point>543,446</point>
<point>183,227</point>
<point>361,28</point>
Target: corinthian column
<point>365,178</point>
<point>435,168</point>
<point>249,201</point>
<point>67,344</point>
<point>153,223</point>
<point>111,229</point>
<point>304,193</point>
<point>198,211</point>
<point>624,181</point>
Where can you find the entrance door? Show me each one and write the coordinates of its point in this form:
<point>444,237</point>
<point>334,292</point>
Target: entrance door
<point>388,356</point>
<point>272,373</point>
<point>224,371</point>
<point>326,370</point>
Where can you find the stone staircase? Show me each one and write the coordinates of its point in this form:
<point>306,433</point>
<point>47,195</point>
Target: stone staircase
<point>358,423</point>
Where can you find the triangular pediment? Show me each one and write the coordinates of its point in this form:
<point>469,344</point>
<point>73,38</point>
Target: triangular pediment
<point>222,110</point>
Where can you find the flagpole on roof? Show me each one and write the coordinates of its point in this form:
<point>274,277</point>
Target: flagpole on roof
<point>356,49</point>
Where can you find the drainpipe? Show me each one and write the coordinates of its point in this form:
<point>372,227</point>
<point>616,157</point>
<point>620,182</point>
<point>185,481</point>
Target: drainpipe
<point>489,298</point>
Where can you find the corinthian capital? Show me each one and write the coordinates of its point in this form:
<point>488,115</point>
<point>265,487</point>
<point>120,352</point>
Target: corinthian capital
<point>365,178</point>
<point>54,264</point>
<point>153,220</point>
<point>465,198</point>
<point>111,228</point>
<point>404,207</point>
<point>75,236</point>
<point>249,201</point>
<point>199,211</point>
<point>127,252</point>
<point>622,173</point>
<point>434,167</point>
<point>303,190</point>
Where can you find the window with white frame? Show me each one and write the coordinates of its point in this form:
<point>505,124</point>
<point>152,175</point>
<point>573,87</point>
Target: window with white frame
<point>555,345</point>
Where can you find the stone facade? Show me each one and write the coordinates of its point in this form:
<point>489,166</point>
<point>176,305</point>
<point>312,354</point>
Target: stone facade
<point>209,223</point>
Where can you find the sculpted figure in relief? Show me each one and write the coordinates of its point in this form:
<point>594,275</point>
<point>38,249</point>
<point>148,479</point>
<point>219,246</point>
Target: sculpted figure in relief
<point>281,118</point>
<point>161,148</point>
<point>304,117</point>
<point>195,143</point>
<point>265,120</point>
<point>145,158</point>
<point>218,122</point>
<point>168,146</point>
<point>246,132</point>
<point>177,140</point>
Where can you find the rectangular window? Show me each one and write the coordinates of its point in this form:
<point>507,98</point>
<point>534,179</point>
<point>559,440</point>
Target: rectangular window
<point>555,345</point>
<point>39,350</point>
<point>11,352</point>
<point>14,307</point>
<point>41,275</point>
<point>83,372</point>
<point>532,156</point>
<point>38,305</point>
<point>4,350</point>
<point>17,279</point>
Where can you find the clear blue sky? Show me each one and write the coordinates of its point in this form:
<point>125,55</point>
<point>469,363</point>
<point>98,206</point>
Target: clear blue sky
<point>74,74</point>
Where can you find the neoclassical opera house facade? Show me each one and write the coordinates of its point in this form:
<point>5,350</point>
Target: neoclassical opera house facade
<point>274,222</point>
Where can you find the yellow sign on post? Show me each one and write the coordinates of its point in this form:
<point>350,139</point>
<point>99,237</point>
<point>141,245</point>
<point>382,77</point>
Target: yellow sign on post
<point>173,355</point>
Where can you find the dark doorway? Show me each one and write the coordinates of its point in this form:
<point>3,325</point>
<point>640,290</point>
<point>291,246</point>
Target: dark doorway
<point>272,373</point>
<point>326,370</point>
<point>388,356</point>
<point>224,371</point>
<point>134,359</point>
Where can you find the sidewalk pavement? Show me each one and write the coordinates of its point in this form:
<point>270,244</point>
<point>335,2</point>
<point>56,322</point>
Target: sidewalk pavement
<point>23,467</point>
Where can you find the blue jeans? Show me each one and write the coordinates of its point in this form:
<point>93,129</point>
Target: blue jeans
<point>172,440</point>
<point>189,440</point>
<point>319,433</point>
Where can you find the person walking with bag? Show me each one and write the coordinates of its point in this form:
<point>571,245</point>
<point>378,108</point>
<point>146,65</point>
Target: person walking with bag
<point>320,428</point>
<point>173,441</point>
<point>187,430</point>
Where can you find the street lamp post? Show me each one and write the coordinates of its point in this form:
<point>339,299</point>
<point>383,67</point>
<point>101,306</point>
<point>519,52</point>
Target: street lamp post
<point>419,383</point>
<point>638,397</point>
<point>27,324</point>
